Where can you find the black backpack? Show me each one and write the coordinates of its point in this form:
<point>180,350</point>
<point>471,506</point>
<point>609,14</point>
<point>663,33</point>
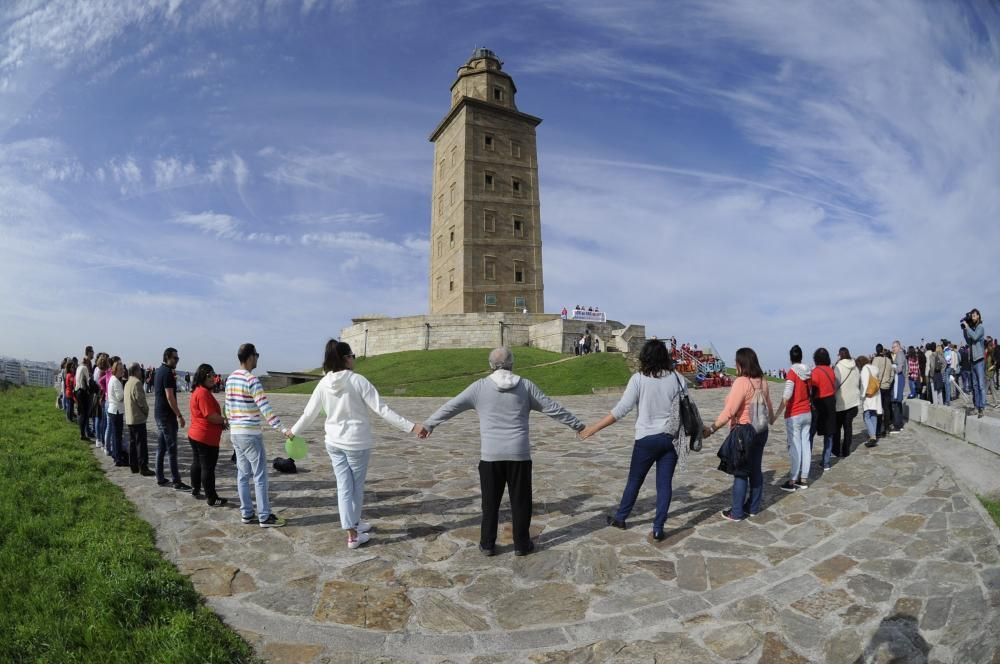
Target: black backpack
<point>283,465</point>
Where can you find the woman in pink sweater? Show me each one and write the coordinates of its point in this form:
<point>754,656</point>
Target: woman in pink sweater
<point>749,383</point>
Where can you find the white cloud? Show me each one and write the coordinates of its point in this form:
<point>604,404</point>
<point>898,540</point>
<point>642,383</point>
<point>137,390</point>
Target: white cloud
<point>221,225</point>
<point>171,170</point>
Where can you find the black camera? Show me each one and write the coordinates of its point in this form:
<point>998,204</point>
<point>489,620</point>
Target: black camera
<point>967,320</point>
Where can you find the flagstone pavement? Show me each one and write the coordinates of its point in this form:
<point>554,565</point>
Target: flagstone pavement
<point>887,557</point>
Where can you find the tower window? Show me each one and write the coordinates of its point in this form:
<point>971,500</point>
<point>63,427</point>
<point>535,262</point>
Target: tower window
<point>451,237</point>
<point>497,94</point>
<point>454,155</point>
<point>440,204</point>
<point>518,227</point>
<point>488,181</point>
<point>515,186</point>
<point>440,246</point>
<point>451,281</point>
<point>519,302</point>
<point>490,221</point>
<point>441,167</point>
<point>488,142</point>
<point>490,268</point>
<point>451,194</point>
<point>491,300</point>
<point>515,149</point>
<point>437,287</point>
<point>518,272</point>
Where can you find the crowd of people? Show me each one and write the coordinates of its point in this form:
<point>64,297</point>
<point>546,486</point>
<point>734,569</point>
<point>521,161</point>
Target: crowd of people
<point>820,400</point>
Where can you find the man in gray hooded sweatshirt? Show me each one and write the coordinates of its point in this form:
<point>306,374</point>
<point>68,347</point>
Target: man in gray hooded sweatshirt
<point>504,401</point>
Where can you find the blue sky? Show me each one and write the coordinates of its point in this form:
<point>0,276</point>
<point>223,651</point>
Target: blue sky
<point>198,174</point>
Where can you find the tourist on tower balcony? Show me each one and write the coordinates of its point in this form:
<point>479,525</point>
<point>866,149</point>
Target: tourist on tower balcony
<point>747,393</point>
<point>503,401</point>
<point>654,391</point>
<point>798,420</point>
<point>848,400</point>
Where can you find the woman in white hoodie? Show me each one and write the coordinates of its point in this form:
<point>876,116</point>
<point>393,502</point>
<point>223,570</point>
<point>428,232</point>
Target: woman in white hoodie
<point>346,398</point>
<point>871,406</point>
<point>848,400</point>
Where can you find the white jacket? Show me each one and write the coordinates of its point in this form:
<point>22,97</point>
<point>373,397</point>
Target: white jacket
<point>346,398</point>
<point>849,382</point>
<point>870,403</point>
<point>116,396</point>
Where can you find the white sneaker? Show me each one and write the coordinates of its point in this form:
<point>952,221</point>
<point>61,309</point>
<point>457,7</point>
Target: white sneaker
<point>358,541</point>
<point>363,527</point>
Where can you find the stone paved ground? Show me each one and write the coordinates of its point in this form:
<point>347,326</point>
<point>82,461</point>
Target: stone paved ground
<point>885,558</point>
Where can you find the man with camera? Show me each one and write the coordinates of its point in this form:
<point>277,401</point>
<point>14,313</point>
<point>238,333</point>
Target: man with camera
<point>972,328</point>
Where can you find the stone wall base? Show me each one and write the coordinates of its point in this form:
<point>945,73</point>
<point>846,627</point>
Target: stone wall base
<point>982,432</point>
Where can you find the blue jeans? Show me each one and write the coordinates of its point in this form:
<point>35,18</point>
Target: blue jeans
<point>799,446</point>
<point>871,422</point>
<point>116,426</point>
<point>750,498</point>
<point>658,449</point>
<point>167,445</point>
<point>251,459</point>
<point>827,446</point>
<point>979,384</point>
<point>967,380</point>
<point>947,385</point>
<point>900,384</point>
<point>351,469</point>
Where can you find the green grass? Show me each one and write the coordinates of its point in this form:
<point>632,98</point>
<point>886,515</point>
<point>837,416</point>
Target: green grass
<point>993,507</point>
<point>445,373</point>
<point>80,577</point>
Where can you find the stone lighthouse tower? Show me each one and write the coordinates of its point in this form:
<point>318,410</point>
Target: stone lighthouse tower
<point>486,240</point>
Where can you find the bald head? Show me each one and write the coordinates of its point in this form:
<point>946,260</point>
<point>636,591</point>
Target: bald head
<point>501,358</point>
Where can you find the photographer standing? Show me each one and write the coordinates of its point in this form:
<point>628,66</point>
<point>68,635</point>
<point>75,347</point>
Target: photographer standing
<point>972,328</point>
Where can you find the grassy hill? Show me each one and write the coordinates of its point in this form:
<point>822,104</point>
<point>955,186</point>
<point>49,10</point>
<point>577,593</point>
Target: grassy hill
<point>445,373</point>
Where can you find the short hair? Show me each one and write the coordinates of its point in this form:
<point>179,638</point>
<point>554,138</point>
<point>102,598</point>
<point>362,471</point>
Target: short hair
<point>168,353</point>
<point>114,367</point>
<point>102,362</point>
<point>135,370</point>
<point>931,346</point>
<point>821,358</point>
<point>654,358</point>
<point>335,355</point>
<point>88,350</point>
<point>501,358</point>
<point>861,361</point>
<point>795,354</point>
<point>879,349</point>
<point>245,351</point>
<point>747,363</point>
<point>843,353</point>
<point>201,373</point>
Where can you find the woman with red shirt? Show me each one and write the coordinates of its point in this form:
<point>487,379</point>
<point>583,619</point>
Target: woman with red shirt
<point>823,382</point>
<point>204,434</point>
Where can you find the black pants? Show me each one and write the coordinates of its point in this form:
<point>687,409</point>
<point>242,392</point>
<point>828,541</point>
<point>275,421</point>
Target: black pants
<point>138,449</point>
<point>886,417</point>
<point>516,476</point>
<point>845,421</point>
<point>203,468</point>
<point>82,411</point>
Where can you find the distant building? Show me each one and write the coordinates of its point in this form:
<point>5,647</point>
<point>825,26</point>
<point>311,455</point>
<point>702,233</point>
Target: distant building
<point>27,372</point>
<point>486,239</point>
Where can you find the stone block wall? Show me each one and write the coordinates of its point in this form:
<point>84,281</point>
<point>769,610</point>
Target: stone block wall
<point>982,432</point>
<point>545,331</point>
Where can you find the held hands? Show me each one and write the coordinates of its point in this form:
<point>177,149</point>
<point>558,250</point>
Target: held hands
<point>586,432</point>
<point>287,433</point>
<point>421,431</point>
<point>706,431</point>
<point>180,420</point>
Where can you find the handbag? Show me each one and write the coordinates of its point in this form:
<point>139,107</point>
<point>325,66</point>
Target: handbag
<point>689,418</point>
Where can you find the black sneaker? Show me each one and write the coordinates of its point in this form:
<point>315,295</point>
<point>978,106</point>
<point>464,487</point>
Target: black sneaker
<point>789,486</point>
<point>802,484</point>
<point>212,502</point>
<point>872,442</point>
<point>198,495</point>
<point>247,520</point>
<point>488,551</point>
<point>525,551</point>
<point>658,535</point>
<point>162,482</point>
<point>146,472</point>
<point>615,523</point>
<point>727,514</point>
<point>272,521</point>
<point>180,486</point>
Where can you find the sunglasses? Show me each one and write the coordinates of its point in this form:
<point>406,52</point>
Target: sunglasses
<point>351,355</point>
